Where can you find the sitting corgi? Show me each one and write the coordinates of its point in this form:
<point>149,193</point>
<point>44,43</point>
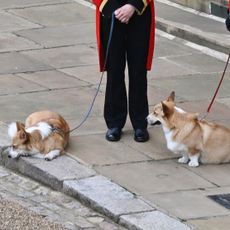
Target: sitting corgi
<point>196,140</point>
<point>44,132</point>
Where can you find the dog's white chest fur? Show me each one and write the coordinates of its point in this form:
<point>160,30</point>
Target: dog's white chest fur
<point>171,144</point>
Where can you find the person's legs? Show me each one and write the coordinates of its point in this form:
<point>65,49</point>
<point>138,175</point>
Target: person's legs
<point>138,40</point>
<point>115,106</point>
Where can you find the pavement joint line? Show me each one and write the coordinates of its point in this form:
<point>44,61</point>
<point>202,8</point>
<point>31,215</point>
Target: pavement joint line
<point>11,12</point>
<point>195,172</point>
<point>26,38</point>
<point>31,81</point>
<point>150,160</point>
<point>78,159</point>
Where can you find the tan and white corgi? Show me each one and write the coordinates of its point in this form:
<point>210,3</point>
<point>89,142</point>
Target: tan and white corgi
<point>44,132</point>
<point>196,140</point>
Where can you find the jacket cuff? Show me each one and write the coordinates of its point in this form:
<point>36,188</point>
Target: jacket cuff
<point>108,7</point>
<point>140,5</point>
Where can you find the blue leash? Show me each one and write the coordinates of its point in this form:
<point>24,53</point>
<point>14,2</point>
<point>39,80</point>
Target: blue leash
<point>102,74</point>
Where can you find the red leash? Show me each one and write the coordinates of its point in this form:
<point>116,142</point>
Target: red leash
<point>218,87</point>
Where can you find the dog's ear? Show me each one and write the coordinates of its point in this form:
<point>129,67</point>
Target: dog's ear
<point>171,96</point>
<point>166,109</point>
<point>20,126</point>
<point>23,135</point>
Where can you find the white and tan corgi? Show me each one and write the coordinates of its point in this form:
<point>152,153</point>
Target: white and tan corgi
<point>196,140</point>
<point>44,132</point>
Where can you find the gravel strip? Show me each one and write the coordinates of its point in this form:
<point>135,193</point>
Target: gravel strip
<point>13,216</point>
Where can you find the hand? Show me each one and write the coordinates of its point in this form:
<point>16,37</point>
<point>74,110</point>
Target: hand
<point>124,13</point>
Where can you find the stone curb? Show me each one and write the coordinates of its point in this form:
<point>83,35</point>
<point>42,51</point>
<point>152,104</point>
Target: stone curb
<point>193,35</point>
<point>99,193</point>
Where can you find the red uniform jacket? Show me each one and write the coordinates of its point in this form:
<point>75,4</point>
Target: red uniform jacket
<point>101,50</point>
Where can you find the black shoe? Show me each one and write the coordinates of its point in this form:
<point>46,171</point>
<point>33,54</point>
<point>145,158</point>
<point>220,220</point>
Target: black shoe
<point>141,135</point>
<point>113,134</point>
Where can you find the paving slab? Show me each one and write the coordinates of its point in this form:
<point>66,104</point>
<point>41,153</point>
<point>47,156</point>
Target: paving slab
<point>52,79</point>
<point>154,220</point>
<point>11,23</point>
<point>154,177</point>
<point>15,62</point>
<point>191,87</point>
<point>199,62</point>
<point>89,74</point>
<point>63,57</point>
<point>156,148</point>
<point>166,47</point>
<point>216,174</point>
<point>11,42</point>
<point>55,100</point>
<point>193,204</point>
<point>94,125</point>
<point>11,83</point>
<point>157,94</point>
<point>213,223</point>
<point>164,68</point>
<point>57,36</point>
<point>103,152</point>
<point>49,15</point>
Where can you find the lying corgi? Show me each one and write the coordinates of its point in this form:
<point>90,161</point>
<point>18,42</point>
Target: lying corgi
<point>196,140</point>
<point>44,132</point>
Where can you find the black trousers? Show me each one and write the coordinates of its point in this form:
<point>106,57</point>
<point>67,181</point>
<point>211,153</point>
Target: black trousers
<point>130,43</point>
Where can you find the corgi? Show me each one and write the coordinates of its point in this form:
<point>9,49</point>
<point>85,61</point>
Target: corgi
<point>198,141</point>
<point>44,132</point>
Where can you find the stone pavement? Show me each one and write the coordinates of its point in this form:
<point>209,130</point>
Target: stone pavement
<point>48,60</point>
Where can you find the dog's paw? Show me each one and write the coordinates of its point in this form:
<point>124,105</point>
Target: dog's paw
<point>52,154</point>
<point>183,160</point>
<point>193,163</point>
<point>48,158</point>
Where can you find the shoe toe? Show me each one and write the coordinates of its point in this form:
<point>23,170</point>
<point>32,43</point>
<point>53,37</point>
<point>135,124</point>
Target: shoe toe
<point>113,134</point>
<point>141,135</point>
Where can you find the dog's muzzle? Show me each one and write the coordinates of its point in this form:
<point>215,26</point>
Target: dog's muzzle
<point>152,120</point>
<point>13,153</point>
